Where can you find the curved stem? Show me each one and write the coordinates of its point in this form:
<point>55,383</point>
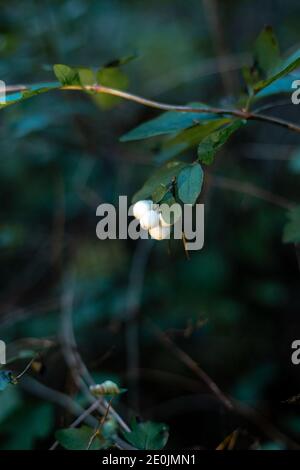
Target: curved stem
<point>240,113</point>
<point>154,104</point>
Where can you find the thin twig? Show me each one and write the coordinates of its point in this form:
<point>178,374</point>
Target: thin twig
<point>252,190</point>
<point>233,439</point>
<point>40,390</point>
<point>191,364</point>
<point>82,417</point>
<point>132,308</point>
<point>19,376</point>
<point>232,405</point>
<point>79,371</point>
<point>100,425</point>
<point>224,443</point>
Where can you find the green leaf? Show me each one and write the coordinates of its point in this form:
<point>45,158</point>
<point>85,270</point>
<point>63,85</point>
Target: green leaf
<point>66,75</point>
<point>279,73</point>
<point>111,77</point>
<point>266,57</point>
<point>188,138</point>
<point>189,183</point>
<point>268,66</point>
<point>32,90</point>
<point>163,176</point>
<point>266,50</point>
<point>169,122</point>
<point>213,142</point>
<point>291,232</point>
<point>159,193</point>
<point>148,435</point>
<point>78,439</point>
<point>6,378</point>
<point>87,77</point>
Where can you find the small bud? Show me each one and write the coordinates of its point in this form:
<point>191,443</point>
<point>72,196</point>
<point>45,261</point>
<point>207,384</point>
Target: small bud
<point>106,388</point>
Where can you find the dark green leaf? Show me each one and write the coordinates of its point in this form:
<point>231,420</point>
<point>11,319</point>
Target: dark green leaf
<point>159,193</point>
<point>189,183</point>
<point>188,139</point>
<point>169,122</point>
<point>269,67</point>
<point>291,232</point>
<point>212,143</point>
<point>78,439</point>
<point>163,176</point>
<point>266,50</point>
<point>148,435</point>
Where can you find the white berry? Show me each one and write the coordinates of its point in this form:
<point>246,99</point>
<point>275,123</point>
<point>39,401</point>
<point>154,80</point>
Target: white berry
<point>159,232</point>
<point>149,220</point>
<point>141,207</point>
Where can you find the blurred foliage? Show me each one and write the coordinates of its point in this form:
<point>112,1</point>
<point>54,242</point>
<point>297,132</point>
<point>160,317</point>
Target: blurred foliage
<point>234,306</point>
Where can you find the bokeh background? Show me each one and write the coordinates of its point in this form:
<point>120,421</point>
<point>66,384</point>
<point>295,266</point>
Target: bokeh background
<point>233,307</point>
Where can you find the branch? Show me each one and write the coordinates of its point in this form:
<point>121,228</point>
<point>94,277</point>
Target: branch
<point>252,190</point>
<point>240,113</point>
<point>40,390</point>
<point>79,371</point>
<point>192,365</point>
<point>232,405</point>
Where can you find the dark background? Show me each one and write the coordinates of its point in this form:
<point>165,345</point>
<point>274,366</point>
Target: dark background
<point>233,307</point>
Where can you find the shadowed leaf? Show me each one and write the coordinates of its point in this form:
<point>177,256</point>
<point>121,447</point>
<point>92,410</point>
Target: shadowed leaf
<point>148,435</point>
<point>189,183</point>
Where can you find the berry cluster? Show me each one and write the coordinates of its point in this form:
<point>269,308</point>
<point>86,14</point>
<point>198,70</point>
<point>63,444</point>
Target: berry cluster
<point>151,219</point>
